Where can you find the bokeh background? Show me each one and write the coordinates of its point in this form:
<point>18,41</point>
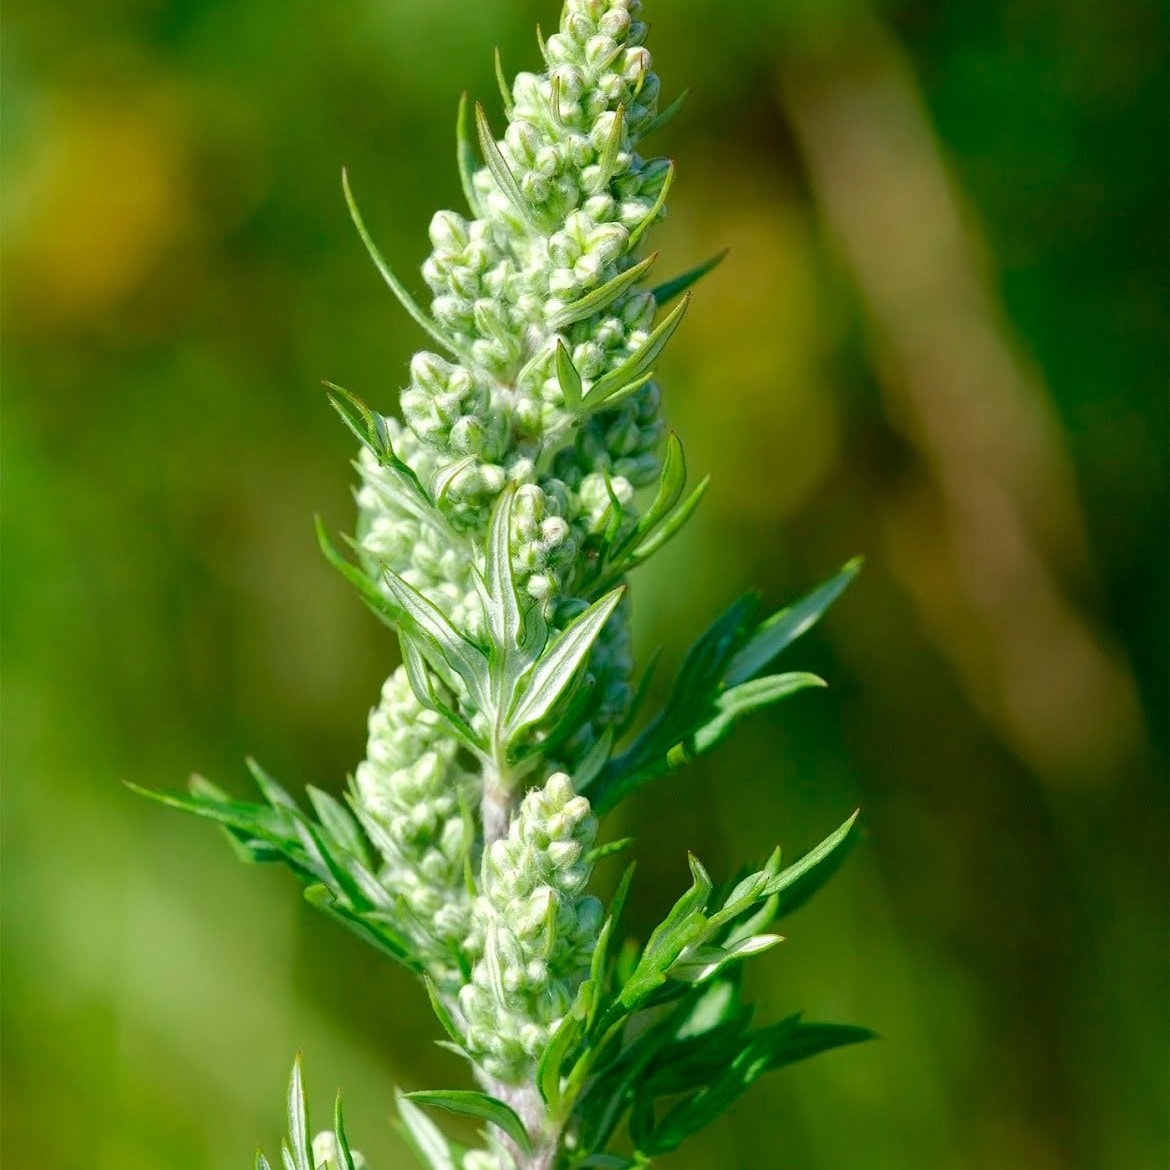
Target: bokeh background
<point>939,340</point>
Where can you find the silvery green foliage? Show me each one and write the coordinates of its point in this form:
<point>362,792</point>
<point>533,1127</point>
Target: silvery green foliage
<point>498,523</point>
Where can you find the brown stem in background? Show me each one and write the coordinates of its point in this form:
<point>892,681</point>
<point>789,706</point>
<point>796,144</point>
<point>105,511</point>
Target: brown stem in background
<point>989,538</point>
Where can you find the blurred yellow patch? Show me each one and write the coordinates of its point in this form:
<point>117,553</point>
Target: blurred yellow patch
<point>97,201</point>
<point>747,383</point>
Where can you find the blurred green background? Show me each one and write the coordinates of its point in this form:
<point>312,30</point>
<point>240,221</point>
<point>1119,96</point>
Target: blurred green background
<point>939,340</point>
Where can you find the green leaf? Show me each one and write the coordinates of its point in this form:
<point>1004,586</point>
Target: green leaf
<point>465,158</point>
<point>419,677</point>
<point>502,608</point>
<point>568,378</point>
<point>347,1161</point>
<point>479,1106</point>
<point>424,1137</point>
<point>272,792</point>
<point>784,627</point>
<point>395,285</point>
<point>671,525</point>
<point>262,1162</point>
<point>639,362</point>
<point>670,289</point>
<point>808,1040</point>
<point>607,163</point>
<point>377,934</point>
<point>501,172</point>
<point>502,82</point>
<point>733,705</point>
<point>381,605</point>
<point>552,1059</point>
<point>441,1013</point>
<point>682,925</point>
<point>559,663</point>
<point>652,215</point>
<point>665,117</point>
<point>299,1143</point>
<point>796,884</point>
<point>603,296</point>
<point>436,634</point>
<point>338,823</point>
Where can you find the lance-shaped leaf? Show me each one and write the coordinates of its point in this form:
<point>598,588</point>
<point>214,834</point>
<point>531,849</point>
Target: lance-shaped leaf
<point>395,285</point>
<point>249,820</point>
<point>639,362</point>
<point>670,289</point>
<point>424,1137</point>
<point>568,378</point>
<point>652,215</point>
<point>502,603</point>
<point>339,824</point>
<point>442,1014</point>
<point>758,1052</point>
<point>685,923</point>
<point>559,664</point>
<point>418,675</point>
<point>438,637</point>
<point>671,525</point>
<point>796,884</point>
<point>666,116</point>
<point>603,296</point>
<point>733,705</point>
<point>501,172</point>
<point>377,933</point>
<point>373,431</point>
<point>502,82</point>
<point>784,627</point>
<point>298,1146</point>
<point>343,1150</point>
<point>480,1107</point>
<point>382,607</point>
<point>607,163</point>
<point>703,963</point>
<point>465,158</point>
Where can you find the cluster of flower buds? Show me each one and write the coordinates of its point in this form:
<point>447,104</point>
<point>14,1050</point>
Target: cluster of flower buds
<point>558,213</point>
<point>539,929</point>
<point>416,799</point>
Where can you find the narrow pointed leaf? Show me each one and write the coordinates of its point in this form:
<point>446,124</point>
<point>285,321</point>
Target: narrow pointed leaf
<point>480,1107</point>
<point>600,298</point>
<point>639,362</point>
<point>395,285</point>
<point>672,525</point>
<point>560,663</point>
<point>502,82</point>
<point>424,1137</point>
<point>504,619</point>
<point>379,603</point>
<point>796,884</point>
<point>613,145</point>
<point>732,705</point>
<point>298,1120</point>
<point>441,1013</point>
<point>501,172</point>
<point>784,627</point>
<point>431,625</point>
<point>654,212</point>
<point>568,378</point>
<point>670,289</point>
<point>666,116</point>
<point>346,1154</point>
<point>465,157</point>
